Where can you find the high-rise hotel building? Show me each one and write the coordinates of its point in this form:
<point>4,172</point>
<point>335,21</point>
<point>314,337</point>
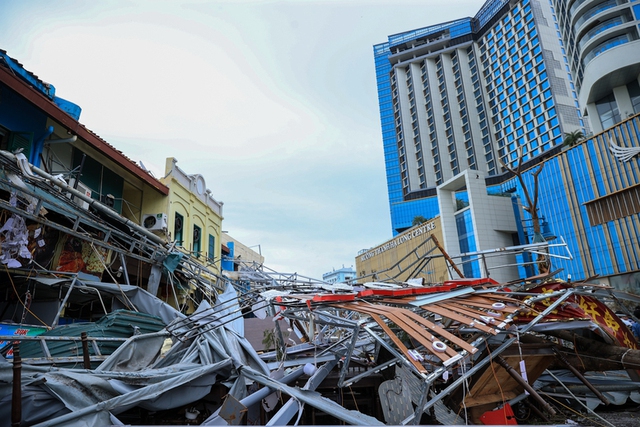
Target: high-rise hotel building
<point>461,99</point>
<point>602,40</point>
<point>470,94</point>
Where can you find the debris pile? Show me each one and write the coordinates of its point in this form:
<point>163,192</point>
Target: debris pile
<point>269,348</point>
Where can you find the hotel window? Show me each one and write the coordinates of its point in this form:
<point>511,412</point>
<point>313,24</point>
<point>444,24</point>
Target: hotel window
<point>634,95</point>
<point>608,111</point>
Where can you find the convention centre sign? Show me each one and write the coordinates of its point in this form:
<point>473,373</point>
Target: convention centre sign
<point>391,244</point>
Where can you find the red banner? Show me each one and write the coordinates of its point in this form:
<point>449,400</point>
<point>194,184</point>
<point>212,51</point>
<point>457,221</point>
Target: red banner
<point>583,307</point>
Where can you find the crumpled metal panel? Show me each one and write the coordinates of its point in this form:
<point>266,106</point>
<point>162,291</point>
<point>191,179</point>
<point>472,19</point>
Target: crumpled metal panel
<point>395,399</point>
<point>157,389</point>
<point>314,399</point>
<point>226,314</point>
<point>37,405</point>
<point>139,352</point>
<point>232,411</point>
<point>143,300</point>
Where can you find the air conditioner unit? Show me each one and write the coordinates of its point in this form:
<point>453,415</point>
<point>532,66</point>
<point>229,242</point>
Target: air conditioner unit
<point>84,190</point>
<point>155,222</point>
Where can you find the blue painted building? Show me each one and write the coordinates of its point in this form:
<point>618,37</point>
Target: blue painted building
<point>502,90</point>
<point>341,275</point>
<point>45,129</point>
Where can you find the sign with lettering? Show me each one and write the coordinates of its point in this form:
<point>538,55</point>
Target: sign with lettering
<point>17,330</point>
<point>423,229</point>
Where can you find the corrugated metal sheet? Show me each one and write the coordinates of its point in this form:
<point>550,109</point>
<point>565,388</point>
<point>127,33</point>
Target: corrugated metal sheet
<point>117,324</point>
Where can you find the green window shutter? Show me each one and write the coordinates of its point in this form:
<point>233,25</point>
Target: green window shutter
<point>197,239</point>
<point>212,247</point>
<point>178,222</point>
<point>19,140</point>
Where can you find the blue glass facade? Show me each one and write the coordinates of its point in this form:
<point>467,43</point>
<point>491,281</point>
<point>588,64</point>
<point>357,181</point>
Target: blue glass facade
<point>582,184</point>
<point>519,89</point>
<point>467,241</point>
<point>383,68</point>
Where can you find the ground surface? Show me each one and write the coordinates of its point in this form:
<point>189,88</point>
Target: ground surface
<point>629,416</point>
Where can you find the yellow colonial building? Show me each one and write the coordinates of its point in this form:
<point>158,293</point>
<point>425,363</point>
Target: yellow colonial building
<point>409,255</point>
<point>189,217</point>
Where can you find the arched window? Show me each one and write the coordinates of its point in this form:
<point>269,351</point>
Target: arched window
<point>178,222</point>
<point>197,240</point>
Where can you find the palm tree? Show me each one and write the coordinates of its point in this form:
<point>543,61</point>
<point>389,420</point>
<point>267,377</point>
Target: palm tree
<point>419,219</point>
<point>572,138</point>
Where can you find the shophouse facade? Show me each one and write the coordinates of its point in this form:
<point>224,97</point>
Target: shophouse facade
<point>122,212</point>
<point>236,253</point>
<point>190,215</point>
<point>47,130</point>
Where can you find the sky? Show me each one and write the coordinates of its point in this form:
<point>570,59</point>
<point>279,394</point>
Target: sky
<point>273,102</point>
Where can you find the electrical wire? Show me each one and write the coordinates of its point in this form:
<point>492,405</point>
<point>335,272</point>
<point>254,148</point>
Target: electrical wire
<point>578,400</point>
<point>127,301</point>
<point>19,299</point>
<point>493,370</point>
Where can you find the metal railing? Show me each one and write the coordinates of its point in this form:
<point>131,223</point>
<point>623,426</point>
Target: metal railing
<point>85,340</point>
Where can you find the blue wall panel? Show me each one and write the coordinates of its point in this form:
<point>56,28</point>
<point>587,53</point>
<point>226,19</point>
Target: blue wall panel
<point>19,115</point>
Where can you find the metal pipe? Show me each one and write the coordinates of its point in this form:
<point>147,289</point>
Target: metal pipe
<point>446,256</point>
<point>516,376</point>
<point>85,350</point>
<point>60,141</point>
<point>50,338</point>
<point>581,377</point>
<point>92,202</point>
<point>16,397</point>
<point>292,406</point>
<point>256,397</point>
<point>64,302</point>
<point>253,398</point>
<point>123,264</point>
<point>579,388</point>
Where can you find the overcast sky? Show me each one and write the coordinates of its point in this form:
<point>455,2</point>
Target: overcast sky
<point>273,102</point>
